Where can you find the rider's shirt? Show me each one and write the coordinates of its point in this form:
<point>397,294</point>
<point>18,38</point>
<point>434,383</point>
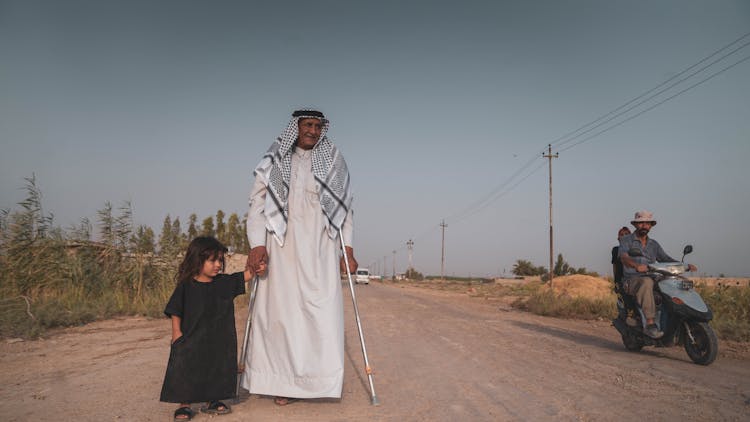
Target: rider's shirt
<point>652,252</point>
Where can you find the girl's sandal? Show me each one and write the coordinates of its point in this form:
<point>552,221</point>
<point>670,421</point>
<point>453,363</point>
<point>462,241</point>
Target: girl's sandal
<point>283,401</point>
<point>185,411</point>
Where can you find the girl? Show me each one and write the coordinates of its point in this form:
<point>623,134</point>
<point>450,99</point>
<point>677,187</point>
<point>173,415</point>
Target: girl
<point>202,363</point>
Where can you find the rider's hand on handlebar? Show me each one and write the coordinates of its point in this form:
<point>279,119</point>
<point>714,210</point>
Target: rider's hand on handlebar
<point>641,268</point>
<point>692,268</point>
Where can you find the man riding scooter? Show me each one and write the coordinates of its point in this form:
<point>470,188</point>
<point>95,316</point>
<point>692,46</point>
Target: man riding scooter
<point>635,283</point>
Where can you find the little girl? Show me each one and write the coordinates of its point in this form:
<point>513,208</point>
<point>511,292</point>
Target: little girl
<point>203,358</point>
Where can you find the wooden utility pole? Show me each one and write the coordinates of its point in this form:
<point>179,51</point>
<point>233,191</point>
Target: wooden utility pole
<point>410,245</point>
<point>442,254</point>
<point>549,156</point>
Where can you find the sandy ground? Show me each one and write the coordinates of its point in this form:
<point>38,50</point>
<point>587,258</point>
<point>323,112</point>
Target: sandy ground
<point>437,356</point>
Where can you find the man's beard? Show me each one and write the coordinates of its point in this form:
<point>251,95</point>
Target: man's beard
<point>642,232</point>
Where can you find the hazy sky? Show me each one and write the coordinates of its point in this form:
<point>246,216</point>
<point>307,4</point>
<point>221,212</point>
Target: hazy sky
<point>436,105</point>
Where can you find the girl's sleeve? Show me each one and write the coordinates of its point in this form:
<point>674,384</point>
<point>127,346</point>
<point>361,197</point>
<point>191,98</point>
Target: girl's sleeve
<point>176,303</point>
<point>238,281</point>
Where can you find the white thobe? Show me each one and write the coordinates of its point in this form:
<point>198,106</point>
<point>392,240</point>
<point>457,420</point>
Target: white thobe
<point>296,346</point>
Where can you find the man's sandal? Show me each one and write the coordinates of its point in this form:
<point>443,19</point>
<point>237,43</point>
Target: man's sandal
<point>184,413</point>
<point>283,401</point>
<point>216,408</point>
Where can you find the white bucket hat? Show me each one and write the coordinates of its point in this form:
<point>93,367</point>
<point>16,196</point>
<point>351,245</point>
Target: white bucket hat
<point>644,217</point>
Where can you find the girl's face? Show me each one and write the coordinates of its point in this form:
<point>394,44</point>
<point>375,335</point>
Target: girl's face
<point>211,268</point>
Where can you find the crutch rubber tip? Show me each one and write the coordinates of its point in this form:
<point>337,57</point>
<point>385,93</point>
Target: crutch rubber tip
<point>375,401</point>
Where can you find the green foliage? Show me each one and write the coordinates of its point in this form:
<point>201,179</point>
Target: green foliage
<point>143,240</point>
<point>547,303</point>
<point>171,240</point>
<point>52,278</point>
<point>413,274</point>
<point>731,308</point>
<point>207,228</point>
<point>192,231</point>
<point>526,268</point>
<point>221,228</point>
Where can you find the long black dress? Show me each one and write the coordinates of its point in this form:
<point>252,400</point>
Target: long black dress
<point>203,362</point>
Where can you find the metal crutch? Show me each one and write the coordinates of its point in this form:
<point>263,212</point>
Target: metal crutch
<point>368,370</point>
<point>241,364</point>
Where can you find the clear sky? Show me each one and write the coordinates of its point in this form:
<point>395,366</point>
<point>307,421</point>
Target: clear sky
<point>436,105</point>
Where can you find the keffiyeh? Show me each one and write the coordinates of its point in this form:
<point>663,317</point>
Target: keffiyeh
<point>329,169</point>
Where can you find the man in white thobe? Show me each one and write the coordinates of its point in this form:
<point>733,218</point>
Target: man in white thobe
<point>299,204</point>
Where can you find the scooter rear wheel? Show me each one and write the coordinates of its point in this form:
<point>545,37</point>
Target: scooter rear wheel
<point>703,351</point>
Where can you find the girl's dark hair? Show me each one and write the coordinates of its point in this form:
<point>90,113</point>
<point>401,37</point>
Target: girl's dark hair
<point>199,251</point>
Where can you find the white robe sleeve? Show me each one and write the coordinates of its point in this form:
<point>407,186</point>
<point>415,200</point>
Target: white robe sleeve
<point>256,219</point>
<point>347,229</point>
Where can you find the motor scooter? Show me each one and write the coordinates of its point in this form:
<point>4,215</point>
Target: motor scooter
<point>681,313</point>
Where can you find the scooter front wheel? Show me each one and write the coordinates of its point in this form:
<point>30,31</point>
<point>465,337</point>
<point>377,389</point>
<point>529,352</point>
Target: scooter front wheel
<point>700,341</point>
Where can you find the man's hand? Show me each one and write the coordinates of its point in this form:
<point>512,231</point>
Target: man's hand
<point>641,268</point>
<point>257,260</point>
<point>352,262</point>
<point>692,268</point>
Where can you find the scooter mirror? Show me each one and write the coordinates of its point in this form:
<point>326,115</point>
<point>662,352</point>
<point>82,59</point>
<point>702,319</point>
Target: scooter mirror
<point>687,250</point>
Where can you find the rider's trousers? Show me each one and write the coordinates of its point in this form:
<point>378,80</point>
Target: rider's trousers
<point>643,290</point>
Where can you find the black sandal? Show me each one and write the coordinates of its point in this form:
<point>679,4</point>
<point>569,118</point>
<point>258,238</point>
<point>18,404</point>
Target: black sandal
<point>183,411</point>
<point>213,408</point>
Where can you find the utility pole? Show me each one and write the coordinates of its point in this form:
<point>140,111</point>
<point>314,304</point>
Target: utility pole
<point>385,267</point>
<point>549,156</point>
<point>410,245</point>
<point>394,265</point>
<point>442,254</point>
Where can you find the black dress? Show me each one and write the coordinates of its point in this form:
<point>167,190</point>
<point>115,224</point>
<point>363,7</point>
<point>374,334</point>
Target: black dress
<point>203,362</point>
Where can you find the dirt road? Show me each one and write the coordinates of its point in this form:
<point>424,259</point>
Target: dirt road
<point>437,356</point>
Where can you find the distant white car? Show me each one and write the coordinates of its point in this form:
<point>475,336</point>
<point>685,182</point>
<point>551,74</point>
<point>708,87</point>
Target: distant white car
<point>362,276</point>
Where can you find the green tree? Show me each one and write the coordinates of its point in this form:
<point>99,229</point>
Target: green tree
<point>192,231</point>
<point>523,267</point>
<point>123,228</point>
<point>178,238</point>
<point>413,274</point>
<point>107,224</point>
<point>234,233</point>
<point>208,227</point>
<point>144,239</point>
<point>221,227</point>
<point>167,246</point>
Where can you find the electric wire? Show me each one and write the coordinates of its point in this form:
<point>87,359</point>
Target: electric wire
<point>649,98</point>
<point>657,104</point>
<point>598,119</point>
<point>498,192</point>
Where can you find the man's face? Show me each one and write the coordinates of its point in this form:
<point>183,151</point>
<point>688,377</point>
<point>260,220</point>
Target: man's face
<point>642,228</point>
<point>309,132</point>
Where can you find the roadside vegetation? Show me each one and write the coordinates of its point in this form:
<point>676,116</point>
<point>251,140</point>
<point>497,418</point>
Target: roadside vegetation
<point>730,304</point>
<point>731,308</point>
<point>54,277</point>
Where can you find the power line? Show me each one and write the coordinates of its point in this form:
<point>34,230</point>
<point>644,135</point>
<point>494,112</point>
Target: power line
<point>659,103</point>
<point>499,191</point>
<point>569,134</point>
<point>649,98</point>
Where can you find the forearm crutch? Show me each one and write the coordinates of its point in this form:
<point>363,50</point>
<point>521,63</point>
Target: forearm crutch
<point>368,370</point>
<point>243,353</point>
